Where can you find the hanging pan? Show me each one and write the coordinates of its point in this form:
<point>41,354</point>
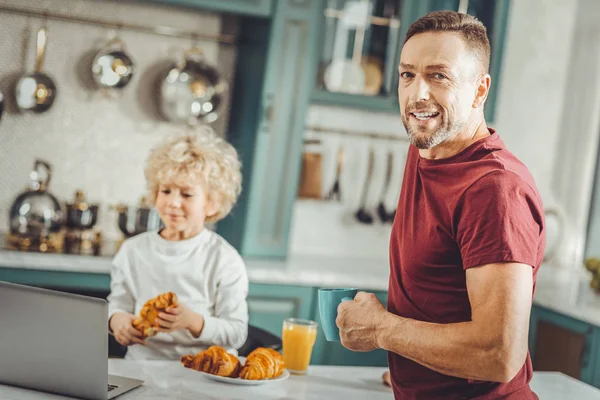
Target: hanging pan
<point>112,67</point>
<point>191,90</point>
<point>36,92</point>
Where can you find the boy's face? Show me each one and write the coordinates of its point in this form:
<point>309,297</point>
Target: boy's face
<point>183,208</point>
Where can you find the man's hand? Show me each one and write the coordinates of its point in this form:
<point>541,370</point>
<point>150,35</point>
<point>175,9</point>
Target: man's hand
<point>359,321</point>
<point>121,324</point>
<point>180,317</point>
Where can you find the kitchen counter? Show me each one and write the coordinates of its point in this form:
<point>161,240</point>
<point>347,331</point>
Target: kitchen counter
<point>298,270</point>
<point>567,291</point>
<point>169,380</point>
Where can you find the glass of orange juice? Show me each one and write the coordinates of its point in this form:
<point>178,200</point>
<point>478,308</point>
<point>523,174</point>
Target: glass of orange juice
<point>298,339</point>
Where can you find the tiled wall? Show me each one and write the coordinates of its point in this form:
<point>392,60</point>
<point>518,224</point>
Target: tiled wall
<point>528,118</point>
<point>93,142</point>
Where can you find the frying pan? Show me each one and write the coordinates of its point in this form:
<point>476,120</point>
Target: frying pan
<point>112,66</point>
<point>36,92</point>
<point>191,90</point>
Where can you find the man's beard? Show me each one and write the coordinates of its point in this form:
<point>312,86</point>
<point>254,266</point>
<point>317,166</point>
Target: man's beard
<point>441,133</point>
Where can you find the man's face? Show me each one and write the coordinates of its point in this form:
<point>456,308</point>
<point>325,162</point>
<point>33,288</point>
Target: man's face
<point>437,87</point>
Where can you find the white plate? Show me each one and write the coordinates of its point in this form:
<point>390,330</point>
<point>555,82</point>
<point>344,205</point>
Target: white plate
<point>245,382</point>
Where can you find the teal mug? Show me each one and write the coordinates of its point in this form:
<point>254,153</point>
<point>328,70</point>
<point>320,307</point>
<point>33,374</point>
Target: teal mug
<point>329,300</point>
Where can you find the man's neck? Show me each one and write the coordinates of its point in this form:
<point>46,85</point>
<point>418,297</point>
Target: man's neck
<point>457,143</point>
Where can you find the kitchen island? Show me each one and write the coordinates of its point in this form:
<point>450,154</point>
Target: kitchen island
<point>170,380</point>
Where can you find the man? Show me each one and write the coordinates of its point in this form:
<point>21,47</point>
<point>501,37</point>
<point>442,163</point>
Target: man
<point>468,237</point>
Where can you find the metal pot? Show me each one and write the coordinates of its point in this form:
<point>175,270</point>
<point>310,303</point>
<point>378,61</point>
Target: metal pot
<point>192,90</point>
<point>36,212</point>
<point>80,214</point>
<point>112,67</point>
<point>36,92</point>
<point>134,220</point>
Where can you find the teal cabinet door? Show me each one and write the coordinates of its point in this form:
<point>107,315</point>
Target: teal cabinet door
<point>595,359</point>
<point>333,353</point>
<point>560,343</point>
<point>269,305</point>
<point>273,82</point>
<point>261,8</point>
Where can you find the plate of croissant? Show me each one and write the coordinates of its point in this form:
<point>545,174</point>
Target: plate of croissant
<point>263,365</point>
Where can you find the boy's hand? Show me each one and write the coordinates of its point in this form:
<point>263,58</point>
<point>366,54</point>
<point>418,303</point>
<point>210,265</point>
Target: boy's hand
<point>121,324</point>
<point>180,317</point>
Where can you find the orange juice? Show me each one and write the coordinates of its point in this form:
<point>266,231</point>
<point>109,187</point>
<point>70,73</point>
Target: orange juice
<point>298,339</point>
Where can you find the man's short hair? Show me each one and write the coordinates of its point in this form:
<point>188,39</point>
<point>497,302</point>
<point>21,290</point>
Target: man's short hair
<point>470,28</point>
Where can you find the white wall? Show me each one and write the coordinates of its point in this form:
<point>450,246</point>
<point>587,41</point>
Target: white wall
<point>92,142</point>
<point>533,83</point>
<point>529,112</point>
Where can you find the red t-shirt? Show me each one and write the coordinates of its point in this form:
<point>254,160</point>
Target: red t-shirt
<point>477,207</point>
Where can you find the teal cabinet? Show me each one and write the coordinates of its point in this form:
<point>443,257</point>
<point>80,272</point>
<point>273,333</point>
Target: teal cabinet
<point>493,13</point>
<point>560,343</point>
<point>269,305</point>
<point>261,8</point>
<point>273,78</point>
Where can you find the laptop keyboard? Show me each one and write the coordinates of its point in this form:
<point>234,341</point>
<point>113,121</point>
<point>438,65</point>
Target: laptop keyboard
<point>111,387</point>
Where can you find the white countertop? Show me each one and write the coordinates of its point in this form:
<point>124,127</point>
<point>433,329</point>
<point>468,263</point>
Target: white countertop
<point>299,270</point>
<point>169,380</point>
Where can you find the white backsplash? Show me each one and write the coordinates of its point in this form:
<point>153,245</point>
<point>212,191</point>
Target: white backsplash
<point>92,142</point>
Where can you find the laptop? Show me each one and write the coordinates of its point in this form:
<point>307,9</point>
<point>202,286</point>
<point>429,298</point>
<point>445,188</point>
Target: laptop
<point>56,342</point>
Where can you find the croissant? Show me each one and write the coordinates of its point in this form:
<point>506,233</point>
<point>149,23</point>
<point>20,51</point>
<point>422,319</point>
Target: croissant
<point>215,360</point>
<point>262,363</point>
<point>146,322</point>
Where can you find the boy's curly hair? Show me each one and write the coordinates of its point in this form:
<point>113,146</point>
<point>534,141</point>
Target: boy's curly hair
<point>198,157</point>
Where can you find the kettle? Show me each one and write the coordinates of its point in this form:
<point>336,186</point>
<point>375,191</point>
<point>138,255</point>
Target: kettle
<point>36,212</point>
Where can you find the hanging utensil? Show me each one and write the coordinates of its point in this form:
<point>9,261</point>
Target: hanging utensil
<point>192,90</point>
<point>1,105</point>
<point>384,215</point>
<point>36,92</point>
<point>362,215</point>
<point>112,68</point>
<point>335,193</point>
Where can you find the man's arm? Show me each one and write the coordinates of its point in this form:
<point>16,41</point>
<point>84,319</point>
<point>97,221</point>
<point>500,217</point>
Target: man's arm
<point>491,347</point>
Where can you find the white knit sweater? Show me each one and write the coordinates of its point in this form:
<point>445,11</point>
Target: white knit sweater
<point>207,274</point>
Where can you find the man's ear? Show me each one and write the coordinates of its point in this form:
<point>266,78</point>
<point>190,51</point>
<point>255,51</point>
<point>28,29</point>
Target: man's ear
<point>482,86</point>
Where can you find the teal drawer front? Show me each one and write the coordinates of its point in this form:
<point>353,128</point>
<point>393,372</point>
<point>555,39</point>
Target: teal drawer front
<point>269,305</point>
<point>56,279</point>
